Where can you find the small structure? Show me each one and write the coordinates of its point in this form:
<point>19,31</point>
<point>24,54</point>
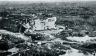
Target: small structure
<point>46,24</point>
<point>39,23</point>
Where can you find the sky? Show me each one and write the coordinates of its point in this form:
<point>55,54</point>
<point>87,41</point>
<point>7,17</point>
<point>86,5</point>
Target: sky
<point>49,0</point>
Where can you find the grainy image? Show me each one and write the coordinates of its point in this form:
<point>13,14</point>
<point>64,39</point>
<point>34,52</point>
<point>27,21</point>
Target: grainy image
<point>48,28</point>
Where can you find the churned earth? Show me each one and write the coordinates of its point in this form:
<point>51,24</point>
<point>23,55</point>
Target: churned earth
<point>45,43</point>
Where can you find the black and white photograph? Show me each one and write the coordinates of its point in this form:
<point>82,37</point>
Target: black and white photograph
<point>47,27</point>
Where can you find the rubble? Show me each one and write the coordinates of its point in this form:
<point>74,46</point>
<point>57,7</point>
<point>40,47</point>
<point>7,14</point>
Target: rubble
<point>13,35</point>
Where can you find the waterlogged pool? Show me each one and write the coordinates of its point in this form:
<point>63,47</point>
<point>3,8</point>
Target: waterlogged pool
<point>81,39</point>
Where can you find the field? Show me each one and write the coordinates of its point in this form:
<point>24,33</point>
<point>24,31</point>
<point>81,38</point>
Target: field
<point>76,37</point>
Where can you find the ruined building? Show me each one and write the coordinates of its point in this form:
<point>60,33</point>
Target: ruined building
<point>41,24</point>
<point>46,24</point>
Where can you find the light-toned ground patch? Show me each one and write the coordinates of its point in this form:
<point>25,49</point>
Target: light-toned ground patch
<point>81,39</point>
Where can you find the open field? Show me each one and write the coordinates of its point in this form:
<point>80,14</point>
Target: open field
<point>74,35</point>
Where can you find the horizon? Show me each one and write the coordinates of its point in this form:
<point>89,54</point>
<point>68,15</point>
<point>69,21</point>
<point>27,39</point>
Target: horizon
<point>47,0</point>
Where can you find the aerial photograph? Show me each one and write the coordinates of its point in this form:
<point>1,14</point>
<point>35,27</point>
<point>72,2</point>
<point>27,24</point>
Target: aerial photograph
<point>47,27</point>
